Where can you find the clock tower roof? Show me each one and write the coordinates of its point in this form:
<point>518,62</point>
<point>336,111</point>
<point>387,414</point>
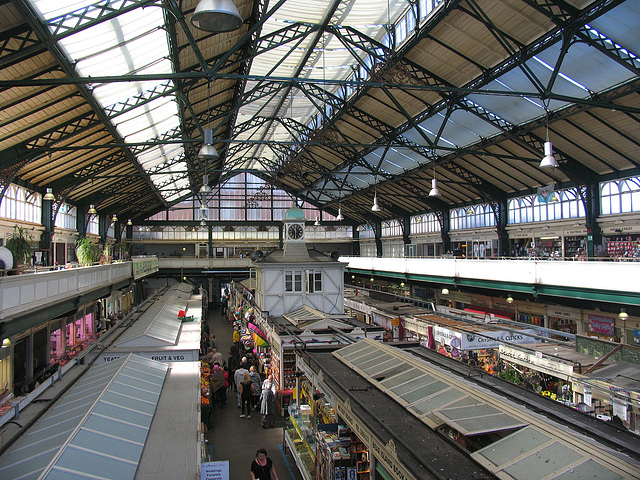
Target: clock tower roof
<point>294,214</point>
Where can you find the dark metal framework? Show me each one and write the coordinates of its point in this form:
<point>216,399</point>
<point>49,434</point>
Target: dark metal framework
<point>403,101</point>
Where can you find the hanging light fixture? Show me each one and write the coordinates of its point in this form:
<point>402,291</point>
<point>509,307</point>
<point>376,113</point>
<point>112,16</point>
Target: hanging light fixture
<point>114,219</point>
<point>208,151</point>
<point>129,222</point>
<point>375,207</point>
<point>339,217</point>
<point>49,194</point>
<point>317,222</point>
<point>509,299</point>
<point>216,16</point>
<point>92,210</point>
<point>548,161</point>
<point>623,315</point>
<point>445,291</point>
<point>205,188</point>
<point>6,343</point>
<point>435,191</point>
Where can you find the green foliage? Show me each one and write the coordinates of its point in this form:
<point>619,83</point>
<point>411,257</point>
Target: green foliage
<point>511,375</point>
<point>87,251</point>
<point>19,244</point>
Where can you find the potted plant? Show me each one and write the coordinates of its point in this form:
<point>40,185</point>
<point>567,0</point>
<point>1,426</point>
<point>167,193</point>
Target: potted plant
<point>87,251</point>
<point>18,243</point>
<point>105,255</point>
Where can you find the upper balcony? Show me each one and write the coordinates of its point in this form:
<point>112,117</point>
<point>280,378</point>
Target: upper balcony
<point>605,281</point>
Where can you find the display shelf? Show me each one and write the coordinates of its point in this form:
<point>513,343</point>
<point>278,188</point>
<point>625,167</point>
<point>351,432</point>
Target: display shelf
<point>361,454</point>
<point>288,367</point>
<point>302,451</point>
<point>275,367</point>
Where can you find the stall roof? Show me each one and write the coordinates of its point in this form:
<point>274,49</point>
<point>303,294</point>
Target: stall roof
<point>99,427</point>
<point>437,398</point>
<point>307,318</point>
<point>158,326</point>
<point>623,375</point>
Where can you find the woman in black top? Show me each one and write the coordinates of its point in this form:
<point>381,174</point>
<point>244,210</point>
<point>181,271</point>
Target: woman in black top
<point>262,467</point>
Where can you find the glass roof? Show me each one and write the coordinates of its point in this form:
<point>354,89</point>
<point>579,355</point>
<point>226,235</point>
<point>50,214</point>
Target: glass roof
<point>329,59</point>
<point>131,43</point>
<point>99,425</point>
<point>535,449</point>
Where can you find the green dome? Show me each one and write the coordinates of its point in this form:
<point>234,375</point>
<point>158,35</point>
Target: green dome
<point>294,213</point>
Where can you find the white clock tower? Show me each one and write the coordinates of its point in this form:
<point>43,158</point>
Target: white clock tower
<point>294,234</point>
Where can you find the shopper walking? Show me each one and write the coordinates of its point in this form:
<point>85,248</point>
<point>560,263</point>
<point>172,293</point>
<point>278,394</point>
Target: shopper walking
<point>238,378</point>
<point>246,395</point>
<point>262,467</point>
<point>256,386</point>
<point>268,402</point>
<point>217,387</point>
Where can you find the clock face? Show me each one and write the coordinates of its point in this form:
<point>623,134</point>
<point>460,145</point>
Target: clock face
<point>295,231</point>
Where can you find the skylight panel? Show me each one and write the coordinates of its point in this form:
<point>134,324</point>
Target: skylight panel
<point>133,43</point>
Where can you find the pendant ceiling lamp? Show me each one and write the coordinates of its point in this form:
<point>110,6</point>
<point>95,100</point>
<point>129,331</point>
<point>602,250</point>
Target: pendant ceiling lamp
<point>205,188</point>
<point>435,191</point>
<point>216,16</point>
<point>129,222</point>
<point>339,217</point>
<point>114,218</point>
<point>92,210</point>
<point>208,151</point>
<point>375,207</point>
<point>548,161</point>
<point>317,222</point>
<point>49,195</point>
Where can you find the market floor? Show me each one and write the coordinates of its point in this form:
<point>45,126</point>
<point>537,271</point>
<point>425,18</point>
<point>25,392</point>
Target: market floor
<point>236,439</point>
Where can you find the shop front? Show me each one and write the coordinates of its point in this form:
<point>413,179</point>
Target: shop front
<point>478,243</point>
<point>549,369</point>
<point>621,237</point>
<point>563,319</point>
<point>71,335</point>
<point>554,240</point>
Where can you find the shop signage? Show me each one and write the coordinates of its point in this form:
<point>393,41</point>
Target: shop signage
<point>617,229</point>
<point>587,398</point>
<point>214,470</point>
<point>488,339</point>
<point>481,300</point>
<point>550,366</point>
<point>526,307</point>
<point>384,453</point>
<point>601,324</point>
<point>575,232</point>
<point>395,322</point>
<point>182,356</point>
<point>561,312</point>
